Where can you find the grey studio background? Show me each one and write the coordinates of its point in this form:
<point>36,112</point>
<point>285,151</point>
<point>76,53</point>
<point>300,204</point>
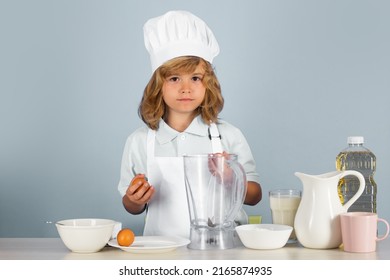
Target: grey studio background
<point>298,78</point>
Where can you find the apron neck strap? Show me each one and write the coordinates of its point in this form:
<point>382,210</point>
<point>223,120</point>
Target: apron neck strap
<point>215,138</point>
<point>150,144</point>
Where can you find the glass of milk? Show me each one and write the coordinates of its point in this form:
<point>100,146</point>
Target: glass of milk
<point>284,205</point>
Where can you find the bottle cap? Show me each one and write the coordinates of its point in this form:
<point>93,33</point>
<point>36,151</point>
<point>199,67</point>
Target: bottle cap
<point>355,140</point>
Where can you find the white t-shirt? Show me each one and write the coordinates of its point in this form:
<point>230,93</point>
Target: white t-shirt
<point>194,140</point>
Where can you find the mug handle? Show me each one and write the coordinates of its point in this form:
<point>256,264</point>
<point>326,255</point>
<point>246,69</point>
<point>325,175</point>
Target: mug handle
<point>362,186</point>
<point>387,229</point>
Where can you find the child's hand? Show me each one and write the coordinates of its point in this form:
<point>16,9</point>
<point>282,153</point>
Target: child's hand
<point>139,191</point>
<point>220,169</point>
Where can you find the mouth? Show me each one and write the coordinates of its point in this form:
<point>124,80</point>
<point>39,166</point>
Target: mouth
<point>184,99</point>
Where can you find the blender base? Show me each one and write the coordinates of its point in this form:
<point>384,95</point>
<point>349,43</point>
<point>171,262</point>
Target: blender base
<point>206,238</point>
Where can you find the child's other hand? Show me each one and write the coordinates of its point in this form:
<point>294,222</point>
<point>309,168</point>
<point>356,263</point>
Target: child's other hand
<point>139,191</point>
<point>219,168</point>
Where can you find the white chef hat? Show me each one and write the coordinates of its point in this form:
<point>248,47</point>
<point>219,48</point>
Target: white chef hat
<point>178,33</point>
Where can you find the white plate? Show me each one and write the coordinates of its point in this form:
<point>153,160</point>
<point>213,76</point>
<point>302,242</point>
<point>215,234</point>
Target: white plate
<point>152,244</point>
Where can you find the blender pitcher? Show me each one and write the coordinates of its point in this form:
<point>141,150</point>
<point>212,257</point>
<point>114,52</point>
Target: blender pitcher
<point>216,188</point>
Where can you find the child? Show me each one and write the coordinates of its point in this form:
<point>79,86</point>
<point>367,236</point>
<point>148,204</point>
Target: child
<point>180,107</point>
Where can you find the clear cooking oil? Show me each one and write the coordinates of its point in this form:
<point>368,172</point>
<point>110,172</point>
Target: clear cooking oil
<point>359,158</point>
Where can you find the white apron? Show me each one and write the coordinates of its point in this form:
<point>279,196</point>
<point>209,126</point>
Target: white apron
<point>167,213</point>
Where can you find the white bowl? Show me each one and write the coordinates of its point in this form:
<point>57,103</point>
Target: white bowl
<point>85,235</point>
<point>264,236</point>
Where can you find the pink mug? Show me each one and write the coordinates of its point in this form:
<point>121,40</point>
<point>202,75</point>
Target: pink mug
<point>359,231</point>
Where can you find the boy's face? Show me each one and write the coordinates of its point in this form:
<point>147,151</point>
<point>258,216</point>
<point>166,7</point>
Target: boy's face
<point>184,92</point>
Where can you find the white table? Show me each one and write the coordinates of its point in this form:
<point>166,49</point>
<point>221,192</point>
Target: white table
<point>54,249</point>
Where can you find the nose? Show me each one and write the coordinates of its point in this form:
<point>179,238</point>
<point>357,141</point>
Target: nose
<point>185,87</point>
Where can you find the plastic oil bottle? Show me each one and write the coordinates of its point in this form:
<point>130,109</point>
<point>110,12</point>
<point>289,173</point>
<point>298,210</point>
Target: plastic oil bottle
<point>359,158</point>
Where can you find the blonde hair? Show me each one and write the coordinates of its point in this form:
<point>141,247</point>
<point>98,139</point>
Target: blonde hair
<point>152,107</point>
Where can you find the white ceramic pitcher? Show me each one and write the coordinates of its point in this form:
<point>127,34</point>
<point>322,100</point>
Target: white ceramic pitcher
<point>317,222</point>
